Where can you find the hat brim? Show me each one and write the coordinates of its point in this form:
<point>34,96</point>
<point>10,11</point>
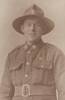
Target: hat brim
<point>46,24</point>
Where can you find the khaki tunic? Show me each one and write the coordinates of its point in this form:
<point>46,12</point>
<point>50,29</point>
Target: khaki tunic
<point>34,73</point>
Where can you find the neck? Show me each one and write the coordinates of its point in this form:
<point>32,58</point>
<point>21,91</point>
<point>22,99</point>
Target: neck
<point>33,42</point>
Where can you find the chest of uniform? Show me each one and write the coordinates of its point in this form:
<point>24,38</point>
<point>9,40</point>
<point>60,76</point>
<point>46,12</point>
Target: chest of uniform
<point>34,71</point>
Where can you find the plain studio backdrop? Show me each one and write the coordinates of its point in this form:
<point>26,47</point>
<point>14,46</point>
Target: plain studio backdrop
<point>11,9</point>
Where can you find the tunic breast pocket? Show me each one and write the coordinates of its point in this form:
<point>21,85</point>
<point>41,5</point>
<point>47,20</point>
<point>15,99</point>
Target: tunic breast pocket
<point>43,74</point>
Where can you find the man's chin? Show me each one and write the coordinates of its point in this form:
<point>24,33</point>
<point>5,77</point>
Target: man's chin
<point>30,39</point>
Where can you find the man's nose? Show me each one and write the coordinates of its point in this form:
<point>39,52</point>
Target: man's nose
<point>33,27</point>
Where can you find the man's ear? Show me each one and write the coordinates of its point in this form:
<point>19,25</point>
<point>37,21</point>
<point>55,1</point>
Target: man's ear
<point>22,28</point>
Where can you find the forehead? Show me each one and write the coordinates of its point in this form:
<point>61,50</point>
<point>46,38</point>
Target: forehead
<point>32,20</point>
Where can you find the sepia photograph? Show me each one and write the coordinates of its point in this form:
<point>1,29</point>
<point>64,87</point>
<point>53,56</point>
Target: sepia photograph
<point>32,50</point>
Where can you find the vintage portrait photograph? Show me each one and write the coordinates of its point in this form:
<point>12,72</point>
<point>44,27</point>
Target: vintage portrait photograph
<point>32,50</point>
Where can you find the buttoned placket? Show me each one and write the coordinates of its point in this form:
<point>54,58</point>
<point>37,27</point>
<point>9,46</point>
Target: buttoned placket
<point>30,56</point>
<point>28,62</point>
<point>27,69</point>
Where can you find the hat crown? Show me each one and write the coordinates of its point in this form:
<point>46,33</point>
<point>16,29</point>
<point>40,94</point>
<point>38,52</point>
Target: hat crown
<point>34,10</point>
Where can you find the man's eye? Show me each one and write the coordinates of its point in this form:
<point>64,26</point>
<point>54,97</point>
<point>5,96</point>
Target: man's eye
<point>29,24</point>
<point>38,25</point>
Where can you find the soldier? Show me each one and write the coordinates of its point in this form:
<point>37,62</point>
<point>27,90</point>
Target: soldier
<point>36,69</point>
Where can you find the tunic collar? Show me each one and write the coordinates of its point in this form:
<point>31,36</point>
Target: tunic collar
<point>33,45</point>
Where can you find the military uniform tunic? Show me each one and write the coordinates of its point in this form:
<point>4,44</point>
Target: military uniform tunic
<point>34,73</point>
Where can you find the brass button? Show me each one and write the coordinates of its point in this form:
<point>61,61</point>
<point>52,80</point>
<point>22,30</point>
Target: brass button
<point>27,63</point>
<point>28,52</point>
<point>42,66</point>
<point>40,58</point>
<point>34,46</point>
<point>26,75</point>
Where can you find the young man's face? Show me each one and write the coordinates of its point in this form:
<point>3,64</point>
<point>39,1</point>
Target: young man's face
<point>32,29</point>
